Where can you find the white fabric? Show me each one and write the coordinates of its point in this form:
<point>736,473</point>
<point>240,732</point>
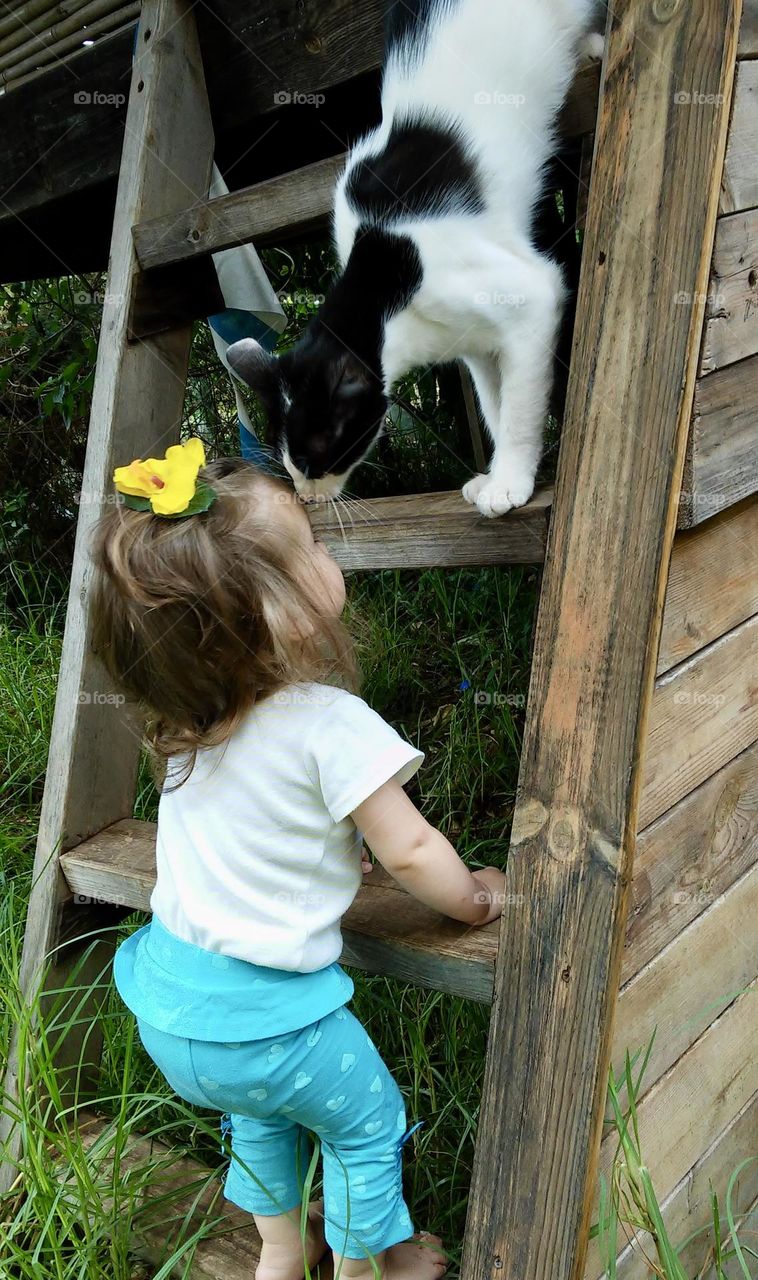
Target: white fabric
<point>257,855</point>
<point>242,276</point>
<point>245,287</point>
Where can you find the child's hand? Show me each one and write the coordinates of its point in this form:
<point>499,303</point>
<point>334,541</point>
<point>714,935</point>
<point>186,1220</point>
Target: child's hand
<point>366,863</point>
<point>493,881</point>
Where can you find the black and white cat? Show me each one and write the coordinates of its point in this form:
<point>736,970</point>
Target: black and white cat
<point>433,225</point>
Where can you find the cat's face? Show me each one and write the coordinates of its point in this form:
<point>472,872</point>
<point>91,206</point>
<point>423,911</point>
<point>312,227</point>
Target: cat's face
<point>324,410</point>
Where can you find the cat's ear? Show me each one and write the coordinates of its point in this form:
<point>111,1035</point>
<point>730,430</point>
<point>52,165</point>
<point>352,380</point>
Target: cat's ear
<point>350,376</point>
<point>255,365</point>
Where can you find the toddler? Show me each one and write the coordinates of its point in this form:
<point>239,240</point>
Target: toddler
<point>218,611</point>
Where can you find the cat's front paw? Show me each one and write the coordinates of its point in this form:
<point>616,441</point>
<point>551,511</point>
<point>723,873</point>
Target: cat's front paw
<point>493,497</point>
<point>592,46</point>
<point>472,488</point>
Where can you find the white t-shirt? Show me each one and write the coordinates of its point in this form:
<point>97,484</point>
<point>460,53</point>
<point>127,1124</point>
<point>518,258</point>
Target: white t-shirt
<point>257,856</point>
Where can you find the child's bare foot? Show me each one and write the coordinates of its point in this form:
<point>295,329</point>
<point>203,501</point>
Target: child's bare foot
<point>283,1259</point>
<point>420,1258</point>
<point>416,1259</point>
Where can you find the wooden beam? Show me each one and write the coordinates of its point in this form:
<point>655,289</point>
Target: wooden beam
<point>740,181</point>
<point>721,466</point>
<point>674,1131</point>
<point>688,1210</point>
<point>666,999</point>
<point>136,409</point>
<point>731,317</point>
<point>422,531</point>
<point>174,1197</point>
<point>748,46</point>
<point>712,585</point>
<point>704,713</point>
<point>290,205</point>
<point>649,235</point>
<point>691,855</point>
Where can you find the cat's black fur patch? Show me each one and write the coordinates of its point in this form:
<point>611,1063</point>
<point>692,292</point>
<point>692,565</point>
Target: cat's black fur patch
<point>334,373</point>
<point>383,267</point>
<point>422,171</point>
<point>408,20</point>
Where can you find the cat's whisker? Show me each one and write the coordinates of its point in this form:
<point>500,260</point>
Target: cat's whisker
<point>333,504</point>
<point>339,500</point>
<point>377,466</point>
<point>362,508</point>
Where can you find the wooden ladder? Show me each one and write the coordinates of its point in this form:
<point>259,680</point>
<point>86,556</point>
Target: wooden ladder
<point>551,967</point>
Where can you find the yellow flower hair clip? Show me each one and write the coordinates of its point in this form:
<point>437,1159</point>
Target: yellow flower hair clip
<point>167,486</point>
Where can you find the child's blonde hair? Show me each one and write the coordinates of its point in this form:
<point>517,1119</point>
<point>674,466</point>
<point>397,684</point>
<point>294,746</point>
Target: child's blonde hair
<point>199,618</point>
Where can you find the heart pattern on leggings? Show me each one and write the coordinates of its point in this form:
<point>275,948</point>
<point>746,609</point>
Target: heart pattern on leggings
<point>347,1061</point>
<point>334,1104</point>
<point>302,1080</point>
<point>257,1095</point>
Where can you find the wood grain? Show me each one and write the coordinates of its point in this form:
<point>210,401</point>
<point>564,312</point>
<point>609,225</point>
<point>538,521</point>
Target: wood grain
<point>739,188</point>
<point>721,467</point>
<point>384,931</point>
<point>712,584</point>
<point>691,855</point>
<point>421,531</point>
<point>649,236</point>
<point>731,317</point>
<point>179,1196</point>
<point>674,1131</point>
<point>290,205</point>
<point>136,410</point>
<point>688,1208</point>
<point>704,713</point>
<point>688,984</point>
<point>748,46</point>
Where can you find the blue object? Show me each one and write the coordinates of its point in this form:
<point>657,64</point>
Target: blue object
<point>231,325</point>
<point>327,1079</point>
<point>176,986</point>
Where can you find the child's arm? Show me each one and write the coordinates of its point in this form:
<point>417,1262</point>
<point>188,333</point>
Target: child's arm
<point>423,861</point>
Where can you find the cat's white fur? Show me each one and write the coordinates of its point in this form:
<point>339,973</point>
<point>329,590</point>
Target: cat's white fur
<point>502,67</point>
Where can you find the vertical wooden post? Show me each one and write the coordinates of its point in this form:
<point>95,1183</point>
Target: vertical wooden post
<point>659,154</point>
<point>136,410</point>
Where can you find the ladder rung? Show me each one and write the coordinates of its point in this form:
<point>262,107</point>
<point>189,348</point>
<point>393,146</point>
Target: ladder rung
<point>293,203</point>
<point>178,1188</point>
<point>385,931</point>
<point>427,530</point>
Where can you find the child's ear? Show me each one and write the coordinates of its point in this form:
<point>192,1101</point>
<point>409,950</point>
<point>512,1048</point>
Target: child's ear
<point>254,365</point>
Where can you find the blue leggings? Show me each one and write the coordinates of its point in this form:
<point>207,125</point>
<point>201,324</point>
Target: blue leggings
<point>327,1078</point>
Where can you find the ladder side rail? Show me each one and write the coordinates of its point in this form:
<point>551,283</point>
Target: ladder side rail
<point>137,403</point>
<point>650,231</point>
